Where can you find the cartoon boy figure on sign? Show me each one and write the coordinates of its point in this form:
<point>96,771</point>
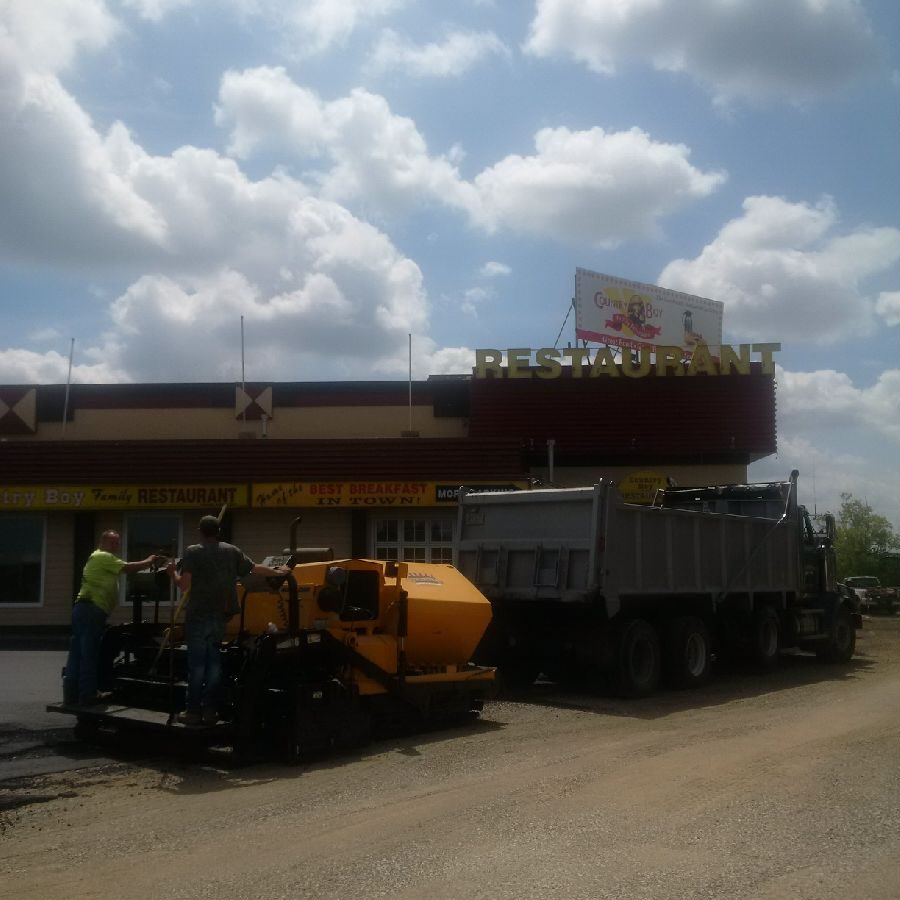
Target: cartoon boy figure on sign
<point>636,313</point>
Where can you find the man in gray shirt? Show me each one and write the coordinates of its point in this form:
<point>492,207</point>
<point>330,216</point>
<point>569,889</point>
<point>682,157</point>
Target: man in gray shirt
<point>209,571</point>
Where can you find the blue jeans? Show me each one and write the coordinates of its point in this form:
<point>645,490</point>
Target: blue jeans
<point>204,635</point>
<point>88,625</point>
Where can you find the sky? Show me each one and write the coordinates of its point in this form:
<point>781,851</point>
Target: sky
<point>285,190</point>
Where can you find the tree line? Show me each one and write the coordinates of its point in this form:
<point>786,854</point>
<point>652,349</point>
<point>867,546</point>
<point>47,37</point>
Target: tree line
<point>865,543</point>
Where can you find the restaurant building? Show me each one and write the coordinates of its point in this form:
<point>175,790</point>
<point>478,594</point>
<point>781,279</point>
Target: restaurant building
<point>373,468</point>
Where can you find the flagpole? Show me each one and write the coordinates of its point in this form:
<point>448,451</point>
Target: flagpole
<point>243,383</point>
<point>410,381</point>
<point>68,385</point>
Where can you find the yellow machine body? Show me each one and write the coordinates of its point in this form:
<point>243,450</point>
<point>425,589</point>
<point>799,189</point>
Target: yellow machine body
<point>445,617</point>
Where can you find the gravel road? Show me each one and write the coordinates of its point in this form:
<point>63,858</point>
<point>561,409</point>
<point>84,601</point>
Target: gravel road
<point>765,787</point>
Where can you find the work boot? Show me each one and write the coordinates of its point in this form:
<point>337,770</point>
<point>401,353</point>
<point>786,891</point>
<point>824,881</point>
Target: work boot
<point>210,717</point>
<point>190,718</point>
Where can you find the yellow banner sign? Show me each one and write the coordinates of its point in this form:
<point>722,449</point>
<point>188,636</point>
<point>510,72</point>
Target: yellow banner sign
<point>364,494</point>
<point>641,487</point>
<point>131,496</point>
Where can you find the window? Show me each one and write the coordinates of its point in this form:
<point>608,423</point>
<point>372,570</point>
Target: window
<point>145,535</point>
<point>21,560</point>
<point>414,540</point>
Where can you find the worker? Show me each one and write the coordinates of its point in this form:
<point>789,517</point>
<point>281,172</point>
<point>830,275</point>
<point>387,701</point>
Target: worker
<point>96,599</point>
<point>208,576</point>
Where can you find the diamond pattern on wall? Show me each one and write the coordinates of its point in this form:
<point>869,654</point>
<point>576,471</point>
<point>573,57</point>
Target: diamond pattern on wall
<point>252,403</point>
<point>18,407</point>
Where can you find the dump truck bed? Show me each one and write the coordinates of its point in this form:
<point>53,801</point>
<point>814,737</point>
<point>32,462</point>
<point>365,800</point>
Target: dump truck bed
<point>587,545</point>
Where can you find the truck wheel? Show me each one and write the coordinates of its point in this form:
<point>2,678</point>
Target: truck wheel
<point>842,644</point>
<point>766,636</point>
<point>686,652</point>
<point>638,659</point>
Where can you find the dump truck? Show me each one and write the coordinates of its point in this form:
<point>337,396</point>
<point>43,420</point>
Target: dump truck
<point>590,589</point>
<point>316,660</point>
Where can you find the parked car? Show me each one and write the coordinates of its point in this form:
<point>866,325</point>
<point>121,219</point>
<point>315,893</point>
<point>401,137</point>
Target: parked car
<point>871,596</point>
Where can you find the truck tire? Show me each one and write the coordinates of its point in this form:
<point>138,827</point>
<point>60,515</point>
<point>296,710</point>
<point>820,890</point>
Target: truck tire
<point>842,644</point>
<point>687,652</point>
<point>638,659</point>
<point>765,636</point>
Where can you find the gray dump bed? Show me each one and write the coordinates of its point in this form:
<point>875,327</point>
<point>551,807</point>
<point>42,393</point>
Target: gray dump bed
<point>586,544</point>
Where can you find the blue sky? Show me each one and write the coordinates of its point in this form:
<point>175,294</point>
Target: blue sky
<point>344,172</point>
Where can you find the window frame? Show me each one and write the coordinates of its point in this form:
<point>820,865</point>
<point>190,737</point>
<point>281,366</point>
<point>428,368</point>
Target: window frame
<point>42,520</point>
<point>424,519</point>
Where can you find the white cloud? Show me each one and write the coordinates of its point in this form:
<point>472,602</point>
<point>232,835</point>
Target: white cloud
<point>323,24</point>
<point>456,54</point>
<point>47,35</point>
<point>352,301</point>
<point>265,109</point>
<point>823,398</point>
<point>203,244</point>
<point>588,186</point>
<point>69,187</point>
<point>753,49</point>
<point>493,269</point>
<point>781,270</point>
<point>825,474</point>
<point>841,437</point>
<point>288,335</point>
<point>155,10</point>
<point>369,151</point>
<point>888,307</point>
<point>827,399</point>
<point>19,366</point>
<point>473,298</point>
<point>309,27</point>
<point>452,361</point>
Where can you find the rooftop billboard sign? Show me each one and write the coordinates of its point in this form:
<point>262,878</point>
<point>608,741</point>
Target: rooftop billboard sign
<point>634,315</point>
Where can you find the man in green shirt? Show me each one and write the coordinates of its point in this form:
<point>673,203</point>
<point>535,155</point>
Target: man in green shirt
<point>96,599</point>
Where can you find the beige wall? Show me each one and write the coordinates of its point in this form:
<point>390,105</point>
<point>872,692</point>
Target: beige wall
<point>262,533</point>
<point>289,422</point>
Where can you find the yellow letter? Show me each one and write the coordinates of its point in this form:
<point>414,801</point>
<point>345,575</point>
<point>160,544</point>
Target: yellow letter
<point>548,360</point>
<point>604,363</point>
<point>628,366</point>
<point>579,358</point>
<point>488,360</point>
<point>702,362</point>
<point>519,359</point>
<point>768,366</point>
<point>668,358</point>
<point>729,360</point>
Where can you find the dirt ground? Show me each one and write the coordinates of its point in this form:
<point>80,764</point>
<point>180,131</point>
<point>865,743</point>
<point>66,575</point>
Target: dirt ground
<point>765,787</point>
